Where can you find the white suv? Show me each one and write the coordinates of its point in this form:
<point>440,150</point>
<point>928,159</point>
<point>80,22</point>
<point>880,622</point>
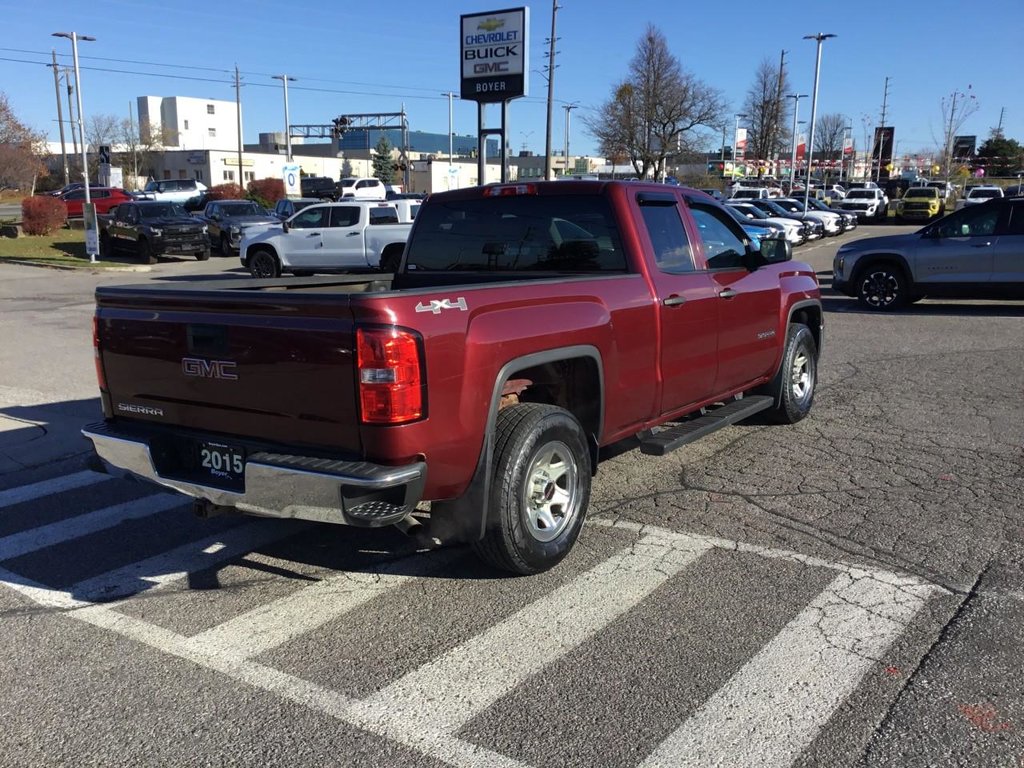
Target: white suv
<point>362,189</point>
<point>175,190</point>
<point>979,194</point>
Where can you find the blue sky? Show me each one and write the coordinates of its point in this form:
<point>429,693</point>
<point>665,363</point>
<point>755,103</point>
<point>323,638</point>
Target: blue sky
<point>358,57</point>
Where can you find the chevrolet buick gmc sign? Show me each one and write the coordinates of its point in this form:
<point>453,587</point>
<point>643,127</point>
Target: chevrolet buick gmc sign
<point>494,54</point>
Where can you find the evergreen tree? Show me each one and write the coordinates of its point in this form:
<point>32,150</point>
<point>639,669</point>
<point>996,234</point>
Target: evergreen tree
<point>383,163</point>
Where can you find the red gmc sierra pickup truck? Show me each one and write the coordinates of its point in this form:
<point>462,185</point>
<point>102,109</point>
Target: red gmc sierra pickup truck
<point>527,326</point>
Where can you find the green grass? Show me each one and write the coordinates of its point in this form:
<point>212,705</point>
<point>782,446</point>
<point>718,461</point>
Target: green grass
<point>65,248</point>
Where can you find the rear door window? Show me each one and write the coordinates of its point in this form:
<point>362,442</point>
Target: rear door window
<point>668,238</point>
<point>565,233</point>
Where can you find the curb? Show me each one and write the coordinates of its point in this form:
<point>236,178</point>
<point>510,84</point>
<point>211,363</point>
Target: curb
<point>99,265</point>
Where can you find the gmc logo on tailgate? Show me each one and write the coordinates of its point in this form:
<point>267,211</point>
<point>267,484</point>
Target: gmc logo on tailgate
<point>208,369</point>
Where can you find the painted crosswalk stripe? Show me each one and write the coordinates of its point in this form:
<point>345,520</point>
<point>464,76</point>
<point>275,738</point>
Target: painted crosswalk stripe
<point>776,704</point>
<point>277,622</point>
<point>50,487</point>
<point>179,562</point>
<point>445,694</point>
<point>34,539</point>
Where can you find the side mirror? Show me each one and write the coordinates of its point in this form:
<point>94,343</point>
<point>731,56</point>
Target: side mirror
<point>284,225</point>
<point>776,251</point>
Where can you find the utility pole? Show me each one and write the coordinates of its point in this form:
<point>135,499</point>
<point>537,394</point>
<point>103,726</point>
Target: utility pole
<point>999,128</point>
<point>777,111</point>
<point>881,135</point>
<point>238,113</point>
<point>548,170</point>
<point>71,111</point>
<point>135,146</point>
<point>60,117</point>
<point>287,120</point>
<point>796,109</point>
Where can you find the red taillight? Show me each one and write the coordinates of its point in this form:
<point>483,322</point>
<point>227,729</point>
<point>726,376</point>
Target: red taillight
<point>508,190</point>
<point>390,375</point>
<point>96,352</point>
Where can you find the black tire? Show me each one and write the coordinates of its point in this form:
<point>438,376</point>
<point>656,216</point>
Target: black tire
<point>539,491</point>
<point>882,286</point>
<point>263,264</point>
<point>224,245</point>
<point>794,383</point>
<point>391,259</point>
<point>203,255</point>
<point>144,251</point>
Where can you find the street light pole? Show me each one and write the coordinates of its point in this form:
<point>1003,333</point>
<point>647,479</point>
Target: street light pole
<point>451,135</point>
<point>74,37</point>
<point>842,155</point>
<point>287,121</point>
<point>820,37</point>
<point>796,108</point>
<point>568,108</point>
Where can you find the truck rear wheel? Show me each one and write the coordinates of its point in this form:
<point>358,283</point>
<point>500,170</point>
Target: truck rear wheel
<point>539,491</point>
<point>264,264</point>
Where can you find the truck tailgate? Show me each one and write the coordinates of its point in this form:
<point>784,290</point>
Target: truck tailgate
<point>273,366</point>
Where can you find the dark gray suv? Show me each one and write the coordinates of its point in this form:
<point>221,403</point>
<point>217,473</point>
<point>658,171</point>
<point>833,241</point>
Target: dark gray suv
<point>974,253</point>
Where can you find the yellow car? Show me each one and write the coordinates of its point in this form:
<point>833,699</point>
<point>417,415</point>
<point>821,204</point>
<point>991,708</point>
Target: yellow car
<point>921,204</point>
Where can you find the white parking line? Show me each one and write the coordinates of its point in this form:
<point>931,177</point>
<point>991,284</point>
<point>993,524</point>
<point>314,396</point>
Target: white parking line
<point>445,694</point>
<point>275,623</point>
<point>34,539</point>
<point>438,747</point>
<point>772,709</point>
<point>50,487</point>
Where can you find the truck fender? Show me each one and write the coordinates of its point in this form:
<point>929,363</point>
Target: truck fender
<point>470,512</point>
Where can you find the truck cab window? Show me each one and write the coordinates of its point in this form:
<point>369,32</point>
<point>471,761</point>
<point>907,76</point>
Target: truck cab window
<point>311,218</point>
<point>668,237</point>
<point>723,249</point>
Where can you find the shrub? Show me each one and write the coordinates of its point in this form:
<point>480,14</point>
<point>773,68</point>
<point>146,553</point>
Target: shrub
<point>228,191</point>
<point>266,192</point>
<point>42,215</point>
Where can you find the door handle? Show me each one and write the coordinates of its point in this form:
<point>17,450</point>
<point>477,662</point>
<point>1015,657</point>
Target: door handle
<point>352,234</point>
<point>313,234</point>
<point>728,293</point>
<point>674,301</point>
<point>981,245</point>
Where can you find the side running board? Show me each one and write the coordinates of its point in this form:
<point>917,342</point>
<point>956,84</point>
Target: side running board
<point>667,440</point>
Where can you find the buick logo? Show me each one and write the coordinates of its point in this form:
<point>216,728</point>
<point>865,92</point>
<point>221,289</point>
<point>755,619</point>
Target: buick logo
<point>209,369</point>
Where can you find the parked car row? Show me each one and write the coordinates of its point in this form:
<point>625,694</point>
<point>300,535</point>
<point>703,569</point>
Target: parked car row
<point>796,223</point>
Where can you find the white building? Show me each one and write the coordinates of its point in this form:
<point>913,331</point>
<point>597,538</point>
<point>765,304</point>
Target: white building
<point>188,123</point>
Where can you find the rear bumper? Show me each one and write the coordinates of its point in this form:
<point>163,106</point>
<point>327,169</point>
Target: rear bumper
<point>278,485</point>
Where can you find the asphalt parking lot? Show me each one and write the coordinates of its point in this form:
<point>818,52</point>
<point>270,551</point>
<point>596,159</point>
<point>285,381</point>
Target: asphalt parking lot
<point>846,591</point>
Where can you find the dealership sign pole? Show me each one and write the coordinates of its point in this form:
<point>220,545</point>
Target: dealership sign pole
<point>494,61</point>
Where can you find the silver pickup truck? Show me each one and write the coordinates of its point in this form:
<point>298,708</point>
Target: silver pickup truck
<point>974,253</point>
<point>330,237</point>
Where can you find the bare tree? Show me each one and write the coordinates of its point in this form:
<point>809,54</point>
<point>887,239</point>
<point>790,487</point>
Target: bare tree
<point>766,114</point>
<point>139,145</point>
<point>653,113</point>
<point>21,150</point>
<point>956,108</point>
<point>828,137</point>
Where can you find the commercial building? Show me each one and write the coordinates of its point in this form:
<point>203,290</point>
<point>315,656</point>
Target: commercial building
<point>183,122</point>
